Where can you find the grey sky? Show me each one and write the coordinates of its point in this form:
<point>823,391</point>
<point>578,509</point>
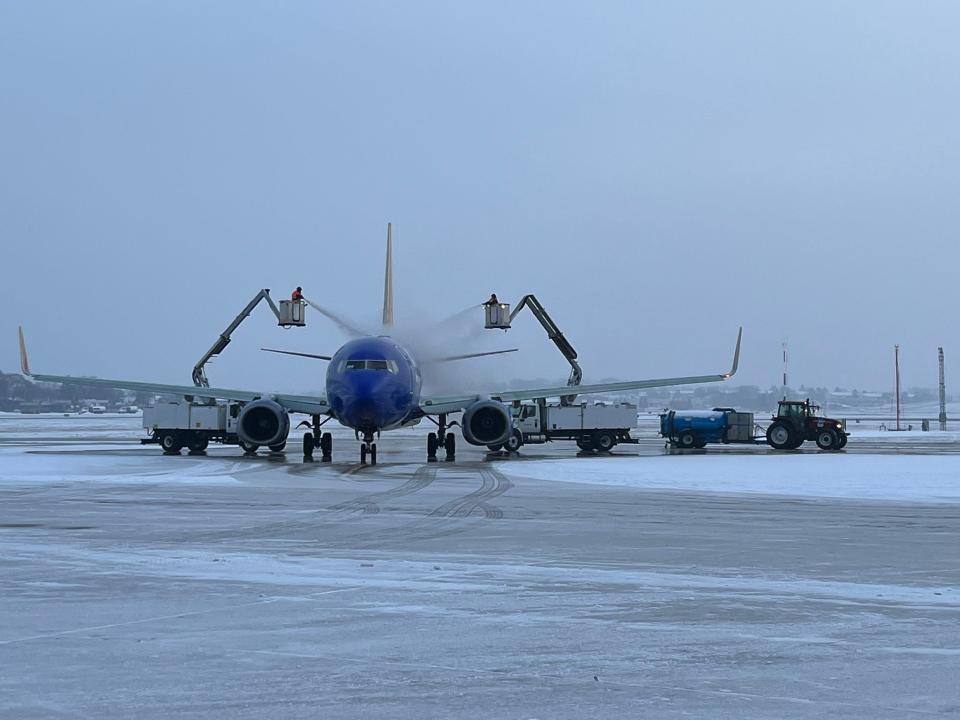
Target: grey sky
<point>658,173</point>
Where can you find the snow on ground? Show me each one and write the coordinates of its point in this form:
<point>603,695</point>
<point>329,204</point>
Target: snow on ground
<point>911,478</point>
<point>32,468</point>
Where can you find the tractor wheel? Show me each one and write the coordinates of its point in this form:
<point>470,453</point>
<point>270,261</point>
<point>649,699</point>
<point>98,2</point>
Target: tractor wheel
<point>701,444</point>
<point>687,439</point>
<point>780,436</point>
<point>828,439</point>
<point>843,441</point>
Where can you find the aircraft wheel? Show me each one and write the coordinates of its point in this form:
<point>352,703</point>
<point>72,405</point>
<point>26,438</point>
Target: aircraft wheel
<point>363,453</point>
<point>373,453</point>
<point>450,445</point>
<point>278,447</point>
<point>432,445</point>
<point>247,448</point>
<point>326,446</point>
<point>308,446</point>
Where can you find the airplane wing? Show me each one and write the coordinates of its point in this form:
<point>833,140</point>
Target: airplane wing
<point>449,404</point>
<point>308,404</point>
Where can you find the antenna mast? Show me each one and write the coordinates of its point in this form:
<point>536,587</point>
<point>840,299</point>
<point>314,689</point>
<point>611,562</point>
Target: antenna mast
<point>784,369</point>
<point>943,393</point>
<point>896,360</point>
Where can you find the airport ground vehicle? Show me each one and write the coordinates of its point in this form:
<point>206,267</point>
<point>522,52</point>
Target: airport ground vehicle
<point>594,427</point>
<point>178,424</point>
<point>795,422</point>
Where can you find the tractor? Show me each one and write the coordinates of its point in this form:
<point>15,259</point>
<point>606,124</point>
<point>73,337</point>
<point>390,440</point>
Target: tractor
<point>797,421</point>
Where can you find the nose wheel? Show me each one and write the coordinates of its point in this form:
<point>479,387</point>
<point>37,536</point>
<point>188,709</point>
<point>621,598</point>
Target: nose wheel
<point>368,448</point>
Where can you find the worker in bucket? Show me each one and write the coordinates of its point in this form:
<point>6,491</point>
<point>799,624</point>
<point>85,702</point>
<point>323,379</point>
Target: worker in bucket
<point>493,300</point>
<point>297,295</point>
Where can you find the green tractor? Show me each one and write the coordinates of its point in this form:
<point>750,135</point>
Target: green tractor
<point>797,421</point>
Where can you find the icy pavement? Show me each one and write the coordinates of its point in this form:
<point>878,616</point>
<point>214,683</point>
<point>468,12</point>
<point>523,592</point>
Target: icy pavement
<point>725,585</point>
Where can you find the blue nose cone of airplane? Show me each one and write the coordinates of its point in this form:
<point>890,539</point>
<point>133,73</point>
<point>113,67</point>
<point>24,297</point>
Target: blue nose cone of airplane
<point>371,384</point>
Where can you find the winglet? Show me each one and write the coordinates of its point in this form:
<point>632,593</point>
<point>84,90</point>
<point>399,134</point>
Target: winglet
<point>24,362</point>
<point>736,356</point>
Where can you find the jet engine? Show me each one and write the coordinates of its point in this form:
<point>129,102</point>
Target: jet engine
<point>263,422</point>
<point>486,422</point>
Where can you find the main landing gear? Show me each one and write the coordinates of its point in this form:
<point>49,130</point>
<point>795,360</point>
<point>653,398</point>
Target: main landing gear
<point>314,440</point>
<point>441,438</point>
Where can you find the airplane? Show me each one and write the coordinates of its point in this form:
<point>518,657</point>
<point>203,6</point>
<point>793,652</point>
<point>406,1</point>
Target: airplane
<point>373,384</point>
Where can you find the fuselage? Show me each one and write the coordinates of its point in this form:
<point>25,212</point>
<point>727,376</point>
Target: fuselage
<point>373,384</point>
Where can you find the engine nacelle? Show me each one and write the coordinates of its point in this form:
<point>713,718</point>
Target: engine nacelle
<point>263,422</point>
<point>486,422</point>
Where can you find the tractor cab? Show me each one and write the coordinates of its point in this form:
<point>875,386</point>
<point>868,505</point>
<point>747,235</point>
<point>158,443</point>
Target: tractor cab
<point>800,410</point>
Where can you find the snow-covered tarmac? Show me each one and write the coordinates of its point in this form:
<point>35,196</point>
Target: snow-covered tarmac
<point>728,584</point>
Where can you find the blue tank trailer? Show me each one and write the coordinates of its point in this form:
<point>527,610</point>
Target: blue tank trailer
<point>795,422</point>
<point>696,428</point>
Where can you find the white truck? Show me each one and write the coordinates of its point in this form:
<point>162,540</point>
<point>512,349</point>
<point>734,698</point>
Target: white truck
<point>598,427</point>
<point>178,424</point>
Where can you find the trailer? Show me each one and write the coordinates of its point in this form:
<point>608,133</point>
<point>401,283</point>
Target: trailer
<point>696,428</point>
<point>598,427</point>
<point>178,424</point>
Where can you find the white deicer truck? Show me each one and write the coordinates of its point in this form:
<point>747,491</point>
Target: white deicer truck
<point>594,427</point>
<point>178,424</point>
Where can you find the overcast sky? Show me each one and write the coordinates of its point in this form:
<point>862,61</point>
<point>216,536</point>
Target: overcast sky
<point>658,173</point>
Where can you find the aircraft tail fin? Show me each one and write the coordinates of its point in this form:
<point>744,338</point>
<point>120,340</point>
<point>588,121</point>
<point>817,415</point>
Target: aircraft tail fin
<point>24,361</point>
<point>388,281</point>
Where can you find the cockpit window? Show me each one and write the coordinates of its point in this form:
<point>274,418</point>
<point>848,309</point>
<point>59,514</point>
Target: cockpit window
<point>388,365</point>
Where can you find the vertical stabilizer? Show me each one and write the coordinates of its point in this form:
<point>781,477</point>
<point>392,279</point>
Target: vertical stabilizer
<point>388,281</point>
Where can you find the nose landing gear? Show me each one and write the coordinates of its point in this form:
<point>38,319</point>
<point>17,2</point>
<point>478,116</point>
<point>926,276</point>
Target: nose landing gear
<point>367,445</point>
